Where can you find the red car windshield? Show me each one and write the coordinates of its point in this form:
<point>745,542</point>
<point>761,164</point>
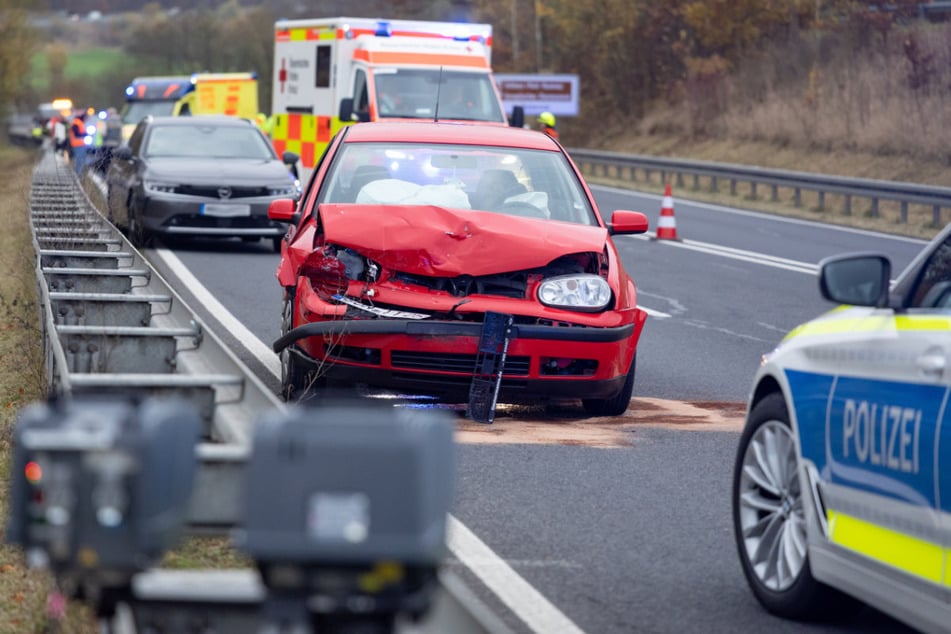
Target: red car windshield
<point>518,182</point>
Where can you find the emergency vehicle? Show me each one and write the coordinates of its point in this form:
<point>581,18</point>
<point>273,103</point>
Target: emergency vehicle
<point>842,479</point>
<point>233,94</point>
<point>332,72</point>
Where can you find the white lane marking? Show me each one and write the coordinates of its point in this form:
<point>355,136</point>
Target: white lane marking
<point>766,216</point>
<point>737,254</point>
<point>525,601</point>
<point>654,313</point>
<point>520,597</point>
<point>249,340</point>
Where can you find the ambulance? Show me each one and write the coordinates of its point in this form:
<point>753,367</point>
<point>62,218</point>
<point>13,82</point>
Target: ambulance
<point>201,93</point>
<point>332,72</point>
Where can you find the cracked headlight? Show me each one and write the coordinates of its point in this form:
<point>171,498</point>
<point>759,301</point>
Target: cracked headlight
<point>159,188</point>
<point>577,292</point>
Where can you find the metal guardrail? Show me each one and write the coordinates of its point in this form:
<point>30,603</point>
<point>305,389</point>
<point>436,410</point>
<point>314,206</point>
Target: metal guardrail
<point>112,325</point>
<point>601,163</point>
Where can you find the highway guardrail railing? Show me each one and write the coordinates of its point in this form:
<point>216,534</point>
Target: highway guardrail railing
<point>630,166</point>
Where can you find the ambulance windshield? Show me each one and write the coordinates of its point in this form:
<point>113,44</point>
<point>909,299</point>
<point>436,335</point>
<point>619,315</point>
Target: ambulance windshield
<point>413,94</point>
<point>135,111</point>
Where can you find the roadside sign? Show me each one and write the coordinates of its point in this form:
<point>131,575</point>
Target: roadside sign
<point>557,94</point>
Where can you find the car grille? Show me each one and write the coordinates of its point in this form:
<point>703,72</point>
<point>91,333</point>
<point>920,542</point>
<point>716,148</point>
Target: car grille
<point>505,285</point>
<point>447,362</point>
<point>214,191</point>
<point>240,222</point>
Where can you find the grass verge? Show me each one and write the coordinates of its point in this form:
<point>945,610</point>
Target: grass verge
<point>23,592</point>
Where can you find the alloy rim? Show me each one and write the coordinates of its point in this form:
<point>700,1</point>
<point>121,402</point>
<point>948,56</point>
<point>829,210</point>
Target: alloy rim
<point>771,508</point>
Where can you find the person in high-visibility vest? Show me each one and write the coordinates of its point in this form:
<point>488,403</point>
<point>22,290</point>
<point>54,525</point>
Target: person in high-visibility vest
<point>547,121</point>
<point>77,142</point>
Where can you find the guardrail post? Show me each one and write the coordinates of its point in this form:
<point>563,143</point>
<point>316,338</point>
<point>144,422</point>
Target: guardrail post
<point>797,197</point>
<point>632,173</point>
<point>847,210</point>
<point>680,179</point>
<point>873,212</point>
<point>714,185</point>
<point>647,175</point>
<point>775,196</point>
<point>936,215</point>
<point>733,187</point>
<point>663,176</point>
<point>696,182</point>
<point>822,201</point>
<point>752,190</point>
<point>904,211</point>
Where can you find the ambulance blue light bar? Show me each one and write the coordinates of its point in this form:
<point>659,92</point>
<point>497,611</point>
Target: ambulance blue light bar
<point>383,29</point>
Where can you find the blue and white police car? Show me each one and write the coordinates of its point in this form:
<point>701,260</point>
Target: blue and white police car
<point>842,481</point>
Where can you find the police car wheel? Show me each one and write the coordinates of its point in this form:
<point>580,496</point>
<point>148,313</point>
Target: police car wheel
<point>769,521</point>
<point>276,243</point>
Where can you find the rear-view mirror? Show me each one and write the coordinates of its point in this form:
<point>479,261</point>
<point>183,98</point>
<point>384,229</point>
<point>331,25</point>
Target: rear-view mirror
<point>627,222</point>
<point>282,210</point>
<point>857,280</point>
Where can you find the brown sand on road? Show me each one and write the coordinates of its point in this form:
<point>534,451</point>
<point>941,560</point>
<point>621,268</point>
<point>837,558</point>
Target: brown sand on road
<point>568,425</point>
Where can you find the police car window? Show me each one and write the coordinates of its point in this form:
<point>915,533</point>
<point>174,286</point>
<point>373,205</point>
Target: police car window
<point>934,285</point>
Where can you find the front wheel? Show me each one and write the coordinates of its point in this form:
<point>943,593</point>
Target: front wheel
<point>295,379</point>
<point>769,521</point>
<point>139,236</point>
<point>617,405</point>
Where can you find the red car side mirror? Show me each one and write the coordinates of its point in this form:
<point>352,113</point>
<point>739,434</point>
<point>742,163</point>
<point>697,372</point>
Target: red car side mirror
<point>623,221</point>
<point>282,210</point>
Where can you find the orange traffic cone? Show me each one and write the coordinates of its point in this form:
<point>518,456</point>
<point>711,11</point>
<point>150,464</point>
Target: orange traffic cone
<point>667,224</point>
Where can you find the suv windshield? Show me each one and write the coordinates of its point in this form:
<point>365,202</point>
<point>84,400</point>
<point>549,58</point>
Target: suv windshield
<point>207,141</point>
<point>517,182</point>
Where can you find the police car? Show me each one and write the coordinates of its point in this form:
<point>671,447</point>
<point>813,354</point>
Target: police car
<point>842,480</point>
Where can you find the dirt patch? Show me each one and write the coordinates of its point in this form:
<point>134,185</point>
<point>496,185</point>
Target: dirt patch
<point>568,425</point>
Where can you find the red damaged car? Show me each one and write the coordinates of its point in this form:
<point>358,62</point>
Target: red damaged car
<point>409,234</point>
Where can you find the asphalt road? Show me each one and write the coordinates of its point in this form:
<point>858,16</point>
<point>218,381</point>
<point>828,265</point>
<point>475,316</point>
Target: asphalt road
<point>637,538</point>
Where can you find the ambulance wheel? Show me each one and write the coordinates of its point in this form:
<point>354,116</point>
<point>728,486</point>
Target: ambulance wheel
<point>617,405</point>
<point>769,521</point>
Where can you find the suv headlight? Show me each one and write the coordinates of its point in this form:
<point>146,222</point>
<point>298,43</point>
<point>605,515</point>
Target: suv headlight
<point>577,292</point>
<point>159,188</point>
<point>283,191</point>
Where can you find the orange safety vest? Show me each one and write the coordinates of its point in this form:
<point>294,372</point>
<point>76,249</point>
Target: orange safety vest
<point>552,132</point>
<point>74,139</point>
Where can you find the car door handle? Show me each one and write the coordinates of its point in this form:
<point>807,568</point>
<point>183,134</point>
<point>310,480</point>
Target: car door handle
<point>932,363</point>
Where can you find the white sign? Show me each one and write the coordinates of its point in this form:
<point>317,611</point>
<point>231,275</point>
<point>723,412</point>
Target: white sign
<point>557,94</point>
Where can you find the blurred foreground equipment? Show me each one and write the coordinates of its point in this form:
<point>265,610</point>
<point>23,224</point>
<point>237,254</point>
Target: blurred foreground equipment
<point>345,513</point>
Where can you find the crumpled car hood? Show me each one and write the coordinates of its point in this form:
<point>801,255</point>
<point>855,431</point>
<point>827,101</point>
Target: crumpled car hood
<point>436,241</point>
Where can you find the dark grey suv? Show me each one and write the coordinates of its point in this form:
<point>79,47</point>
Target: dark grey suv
<point>211,176</point>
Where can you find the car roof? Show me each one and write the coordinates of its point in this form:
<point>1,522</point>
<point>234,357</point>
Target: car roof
<point>201,119</point>
<point>445,132</point>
